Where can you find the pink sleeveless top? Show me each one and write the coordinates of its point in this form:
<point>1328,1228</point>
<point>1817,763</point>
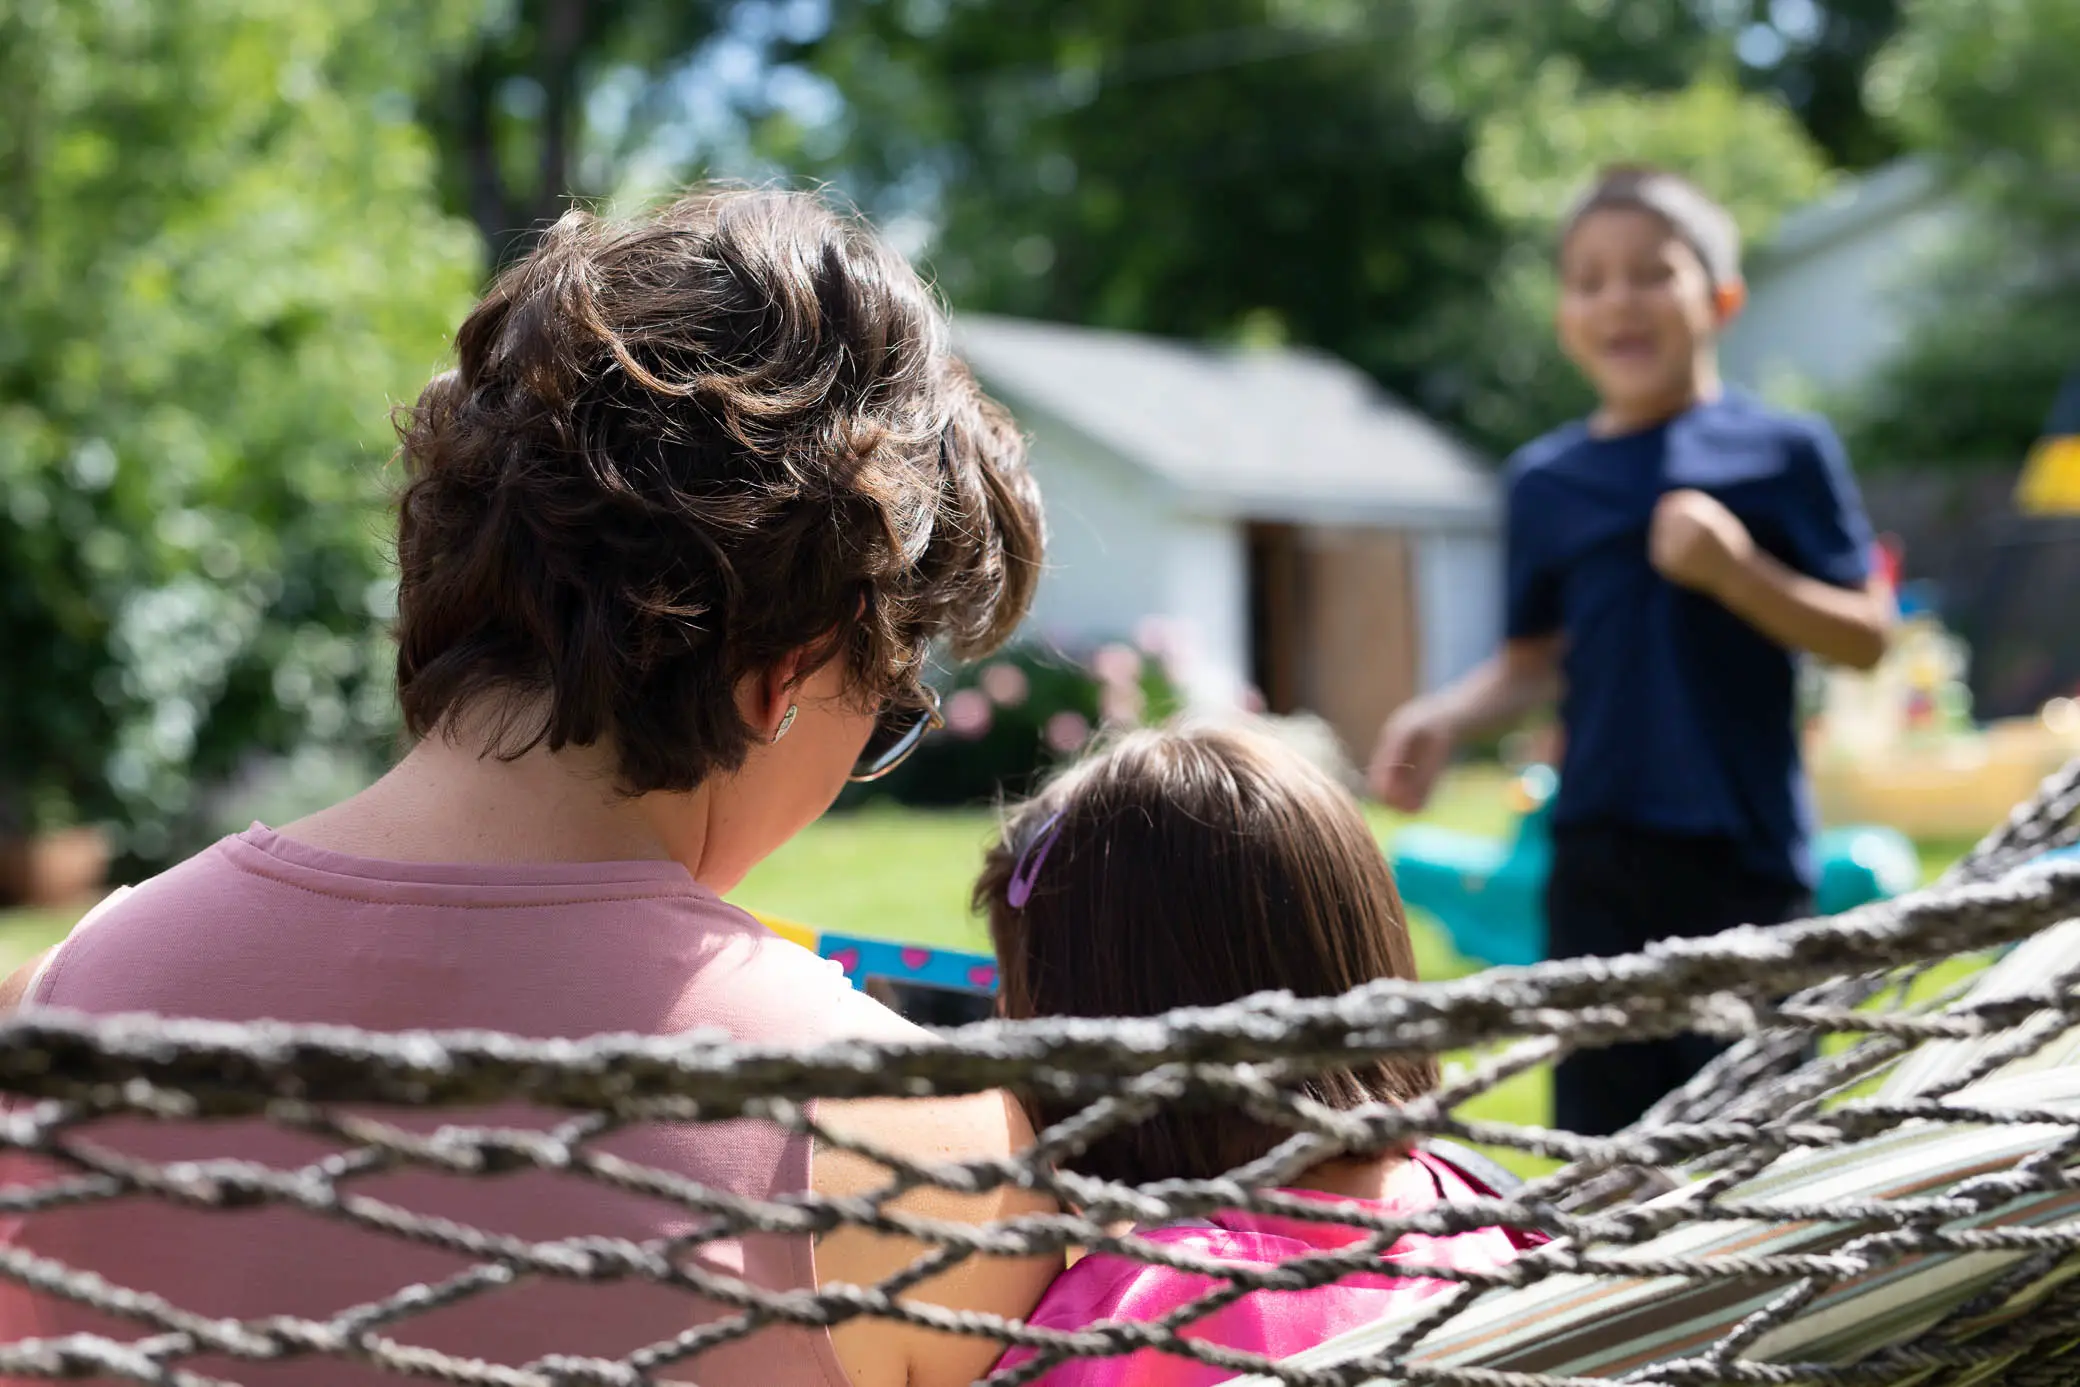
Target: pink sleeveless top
<point>1275,1324</point>
<point>259,927</point>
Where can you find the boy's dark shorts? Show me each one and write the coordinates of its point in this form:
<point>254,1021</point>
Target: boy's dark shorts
<point>1615,889</point>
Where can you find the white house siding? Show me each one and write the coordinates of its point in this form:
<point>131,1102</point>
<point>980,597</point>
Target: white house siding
<point>1120,554</point>
<point>1208,599</point>
<point>1458,603</point>
<point>1106,528</point>
<point>1823,315</point>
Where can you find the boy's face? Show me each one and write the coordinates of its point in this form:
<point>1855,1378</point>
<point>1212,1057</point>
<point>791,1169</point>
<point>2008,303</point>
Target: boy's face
<point>1635,307</point>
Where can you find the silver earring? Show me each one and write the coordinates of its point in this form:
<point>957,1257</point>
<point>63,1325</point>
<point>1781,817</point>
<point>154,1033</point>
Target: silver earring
<point>786,721</point>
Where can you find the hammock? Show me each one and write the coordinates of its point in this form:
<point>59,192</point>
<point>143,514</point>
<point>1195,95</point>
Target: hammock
<point>1900,1209</point>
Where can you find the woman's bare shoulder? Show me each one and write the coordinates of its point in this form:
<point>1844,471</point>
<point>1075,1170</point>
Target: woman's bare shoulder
<point>14,990</point>
<point>974,1128</point>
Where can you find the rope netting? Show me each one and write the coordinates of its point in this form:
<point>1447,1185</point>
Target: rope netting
<point>1872,1185</point>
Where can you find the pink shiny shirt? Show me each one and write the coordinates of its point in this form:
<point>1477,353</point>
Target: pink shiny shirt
<point>1272,1323</point>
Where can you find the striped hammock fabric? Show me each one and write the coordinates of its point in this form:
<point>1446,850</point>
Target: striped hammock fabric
<point>1602,1320</point>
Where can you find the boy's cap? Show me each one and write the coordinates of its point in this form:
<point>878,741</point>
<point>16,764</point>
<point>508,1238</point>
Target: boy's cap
<point>1708,228</point>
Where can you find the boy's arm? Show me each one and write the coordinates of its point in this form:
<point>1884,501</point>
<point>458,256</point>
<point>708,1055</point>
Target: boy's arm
<point>1522,676</point>
<point>1417,741</point>
<point>1699,544</point>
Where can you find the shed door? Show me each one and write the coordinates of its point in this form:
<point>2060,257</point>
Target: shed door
<point>1362,637</point>
<point>1277,615</point>
<point>1333,625</point>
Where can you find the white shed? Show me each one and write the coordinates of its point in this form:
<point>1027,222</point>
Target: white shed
<point>1828,295</point>
<point>1312,538</point>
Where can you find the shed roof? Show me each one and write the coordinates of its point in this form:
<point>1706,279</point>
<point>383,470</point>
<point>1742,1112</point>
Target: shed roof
<point>1266,434</point>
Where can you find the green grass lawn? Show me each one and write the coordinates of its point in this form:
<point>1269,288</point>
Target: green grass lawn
<point>27,933</point>
<point>905,874</point>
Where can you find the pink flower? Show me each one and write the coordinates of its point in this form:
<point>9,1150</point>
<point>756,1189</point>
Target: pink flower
<point>1005,684</point>
<point>1121,705</point>
<point>968,714</point>
<point>1066,732</point>
<point>1117,664</point>
<point>1156,635</point>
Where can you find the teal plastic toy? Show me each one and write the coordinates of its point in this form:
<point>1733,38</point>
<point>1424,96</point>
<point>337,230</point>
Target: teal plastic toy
<point>1489,893</point>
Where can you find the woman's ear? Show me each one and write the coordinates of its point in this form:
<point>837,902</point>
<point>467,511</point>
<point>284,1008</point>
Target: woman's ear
<point>769,697</point>
<point>1730,298</point>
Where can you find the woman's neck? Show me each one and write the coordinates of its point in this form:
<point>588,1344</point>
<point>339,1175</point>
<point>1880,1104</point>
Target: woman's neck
<point>450,801</point>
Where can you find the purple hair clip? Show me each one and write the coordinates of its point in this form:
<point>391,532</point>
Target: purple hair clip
<point>1030,861</point>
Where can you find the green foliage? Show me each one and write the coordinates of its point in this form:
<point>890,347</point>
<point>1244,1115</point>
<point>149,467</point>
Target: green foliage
<point>1749,152</point>
<point>1810,57</point>
<point>1824,51</point>
<point>1200,168</point>
<point>220,265</point>
<point>1987,86</point>
<point>555,99</point>
<point>1991,82</point>
<point>1377,181</point>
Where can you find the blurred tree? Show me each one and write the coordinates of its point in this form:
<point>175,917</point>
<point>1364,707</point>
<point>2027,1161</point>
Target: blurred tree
<point>1815,54</point>
<point>1642,45</point>
<point>1810,54</point>
<point>1378,181</point>
<point>1988,87</point>
<point>1225,169</point>
<point>1749,152</point>
<point>221,260</point>
<point>568,98</point>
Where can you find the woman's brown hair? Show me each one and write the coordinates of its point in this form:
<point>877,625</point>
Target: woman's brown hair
<point>1187,869</point>
<point>678,448</point>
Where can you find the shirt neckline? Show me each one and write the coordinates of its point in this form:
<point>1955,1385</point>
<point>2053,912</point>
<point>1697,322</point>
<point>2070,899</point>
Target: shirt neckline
<point>262,843</point>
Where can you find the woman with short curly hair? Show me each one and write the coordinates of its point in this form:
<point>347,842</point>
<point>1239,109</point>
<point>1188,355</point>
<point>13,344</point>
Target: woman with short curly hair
<point>676,536</point>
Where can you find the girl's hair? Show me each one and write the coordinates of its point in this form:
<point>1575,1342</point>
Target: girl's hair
<point>1184,869</point>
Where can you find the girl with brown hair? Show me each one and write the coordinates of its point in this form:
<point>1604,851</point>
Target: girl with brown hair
<point>1190,869</point>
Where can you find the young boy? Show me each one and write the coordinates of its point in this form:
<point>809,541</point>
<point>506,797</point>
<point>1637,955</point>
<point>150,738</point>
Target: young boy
<point>1668,559</point>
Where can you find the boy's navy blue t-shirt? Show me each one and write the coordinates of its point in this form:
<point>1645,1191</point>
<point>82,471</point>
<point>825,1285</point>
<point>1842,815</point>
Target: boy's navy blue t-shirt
<point>1679,716</point>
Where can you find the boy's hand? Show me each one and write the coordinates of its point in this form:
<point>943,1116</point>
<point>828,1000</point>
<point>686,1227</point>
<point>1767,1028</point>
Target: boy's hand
<point>1695,542</point>
<point>1414,748</point>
